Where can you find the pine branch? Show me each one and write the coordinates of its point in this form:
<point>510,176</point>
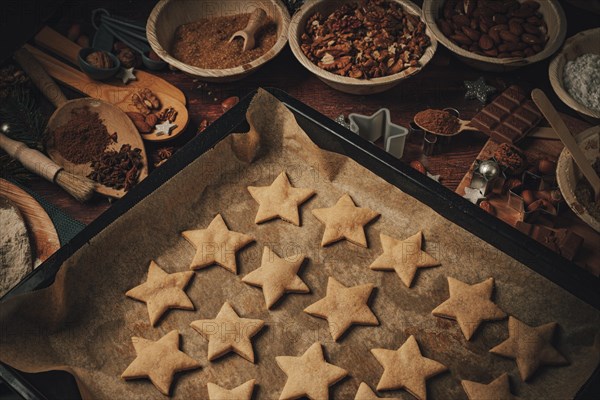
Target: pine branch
<point>25,121</point>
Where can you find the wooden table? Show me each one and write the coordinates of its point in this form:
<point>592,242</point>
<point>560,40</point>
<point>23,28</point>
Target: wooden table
<point>439,85</point>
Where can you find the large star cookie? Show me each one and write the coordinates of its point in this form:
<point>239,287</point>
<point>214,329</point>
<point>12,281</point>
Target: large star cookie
<point>309,375</point>
<point>216,245</point>
<point>162,291</point>
<point>228,332</point>
<point>498,389</point>
<point>530,346</point>
<point>406,368</point>
<point>404,257</point>
<point>364,392</point>
<point>469,305</point>
<point>159,361</point>
<point>344,306</point>
<point>280,199</point>
<point>345,221</point>
<point>276,276</point>
<point>242,392</point>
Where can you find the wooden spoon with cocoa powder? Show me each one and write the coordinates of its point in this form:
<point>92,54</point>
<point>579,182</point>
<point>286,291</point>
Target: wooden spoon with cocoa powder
<point>442,122</point>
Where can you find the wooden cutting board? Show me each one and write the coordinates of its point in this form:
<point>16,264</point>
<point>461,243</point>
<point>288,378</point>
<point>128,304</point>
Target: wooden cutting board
<point>42,233</point>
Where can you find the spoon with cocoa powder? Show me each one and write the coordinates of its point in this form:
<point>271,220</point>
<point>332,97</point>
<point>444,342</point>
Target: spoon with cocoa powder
<point>442,122</point>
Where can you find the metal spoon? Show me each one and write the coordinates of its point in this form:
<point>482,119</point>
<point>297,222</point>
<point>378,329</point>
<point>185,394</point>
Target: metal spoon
<point>256,20</point>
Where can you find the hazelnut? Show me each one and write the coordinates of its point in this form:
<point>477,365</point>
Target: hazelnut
<point>74,32</point>
<point>487,207</point>
<point>128,58</point>
<point>513,183</point>
<point>418,165</point>
<point>528,197</point>
<point>546,167</point>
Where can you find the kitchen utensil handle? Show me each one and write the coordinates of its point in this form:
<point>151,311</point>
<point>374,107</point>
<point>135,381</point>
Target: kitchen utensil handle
<point>53,41</point>
<point>569,141</point>
<point>256,20</point>
<point>31,159</point>
<point>40,77</point>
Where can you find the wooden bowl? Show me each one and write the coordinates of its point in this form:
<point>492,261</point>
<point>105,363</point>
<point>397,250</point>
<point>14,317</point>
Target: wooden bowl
<point>582,43</point>
<point>343,83</point>
<point>167,15</point>
<point>567,173</point>
<point>557,30</point>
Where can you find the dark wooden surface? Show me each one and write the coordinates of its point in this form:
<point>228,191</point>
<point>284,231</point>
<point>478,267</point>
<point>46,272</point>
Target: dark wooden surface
<point>439,85</point>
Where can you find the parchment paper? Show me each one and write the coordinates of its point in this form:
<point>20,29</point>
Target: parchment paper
<point>83,322</point>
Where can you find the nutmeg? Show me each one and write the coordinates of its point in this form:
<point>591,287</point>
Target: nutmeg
<point>546,167</point>
<point>418,165</point>
<point>128,58</point>
<point>99,59</point>
<point>488,207</point>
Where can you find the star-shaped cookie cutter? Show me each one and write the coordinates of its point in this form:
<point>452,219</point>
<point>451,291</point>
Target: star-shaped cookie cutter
<point>379,125</point>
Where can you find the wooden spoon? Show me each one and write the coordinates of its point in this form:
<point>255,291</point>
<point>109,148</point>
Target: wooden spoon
<point>114,119</point>
<point>256,20</point>
<point>463,125</point>
<point>550,113</point>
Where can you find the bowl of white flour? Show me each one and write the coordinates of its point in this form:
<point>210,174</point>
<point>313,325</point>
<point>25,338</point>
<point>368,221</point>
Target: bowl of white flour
<point>575,74</point>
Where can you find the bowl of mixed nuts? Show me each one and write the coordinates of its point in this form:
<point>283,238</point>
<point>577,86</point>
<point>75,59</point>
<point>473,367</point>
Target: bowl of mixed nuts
<point>361,47</point>
<point>497,35</point>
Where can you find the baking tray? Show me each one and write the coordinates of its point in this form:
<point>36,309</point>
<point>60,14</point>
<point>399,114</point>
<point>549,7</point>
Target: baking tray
<point>331,136</point>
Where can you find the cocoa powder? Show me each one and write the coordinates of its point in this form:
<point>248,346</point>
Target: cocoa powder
<point>83,138</point>
<point>437,121</point>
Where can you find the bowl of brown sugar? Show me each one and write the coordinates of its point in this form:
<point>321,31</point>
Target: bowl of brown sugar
<point>193,36</point>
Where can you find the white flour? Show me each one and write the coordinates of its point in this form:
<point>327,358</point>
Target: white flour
<point>581,78</point>
<point>15,252</point>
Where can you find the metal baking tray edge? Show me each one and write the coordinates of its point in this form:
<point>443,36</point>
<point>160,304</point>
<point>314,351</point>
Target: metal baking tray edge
<point>331,136</point>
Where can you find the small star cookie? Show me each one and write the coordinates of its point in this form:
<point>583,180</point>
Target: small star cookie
<point>216,245</point>
<point>364,392</point>
<point>309,375</point>
<point>406,368</point>
<point>276,276</point>
<point>280,199</point>
<point>530,346</point>
<point>344,306</point>
<point>403,256</point>
<point>162,291</point>
<point>159,361</point>
<point>228,332</point>
<point>469,305</point>
<point>498,389</point>
<point>242,392</point>
<point>345,221</point>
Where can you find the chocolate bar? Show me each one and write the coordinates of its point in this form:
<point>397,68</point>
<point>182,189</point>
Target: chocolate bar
<point>508,118</point>
<point>562,241</point>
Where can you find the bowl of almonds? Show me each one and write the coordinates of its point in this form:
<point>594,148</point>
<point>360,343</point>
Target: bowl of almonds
<point>361,46</point>
<point>497,35</point>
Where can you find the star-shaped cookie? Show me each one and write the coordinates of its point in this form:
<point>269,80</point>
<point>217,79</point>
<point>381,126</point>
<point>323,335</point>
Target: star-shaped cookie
<point>309,375</point>
<point>498,389</point>
<point>403,256</point>
<point>276,276</point>
<point>159,361</point>
<point>228,332</point>
<point>242,392</point>
<point>162,291</point>
<point>344,306</point>
<point>406,368</point>
<point>364,392</point>
<point>345,221</point>
<point>469,305</point>
<point>280,199</point>
<point>216,245</point>
<point>530,346</point>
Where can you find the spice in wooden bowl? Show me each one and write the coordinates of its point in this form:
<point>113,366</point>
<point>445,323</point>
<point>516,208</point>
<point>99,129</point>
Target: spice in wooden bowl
<point>205,43</point>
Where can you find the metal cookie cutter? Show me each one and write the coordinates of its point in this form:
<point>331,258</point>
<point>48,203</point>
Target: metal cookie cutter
<point>379,125</point>
<point>434,143</point>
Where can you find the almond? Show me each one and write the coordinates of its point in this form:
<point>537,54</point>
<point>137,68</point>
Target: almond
<point>486,42</point>
<point>229,102</point>
<point>531,39</point>
<point>515,28</point>
<point>471,33</point>
<point>529,28</point>
<point>445,27</point>
<point>507,47</point>
<point>491,52</point>
<point>461,20</point>
<point>461,38</point>
<point>508,36</point>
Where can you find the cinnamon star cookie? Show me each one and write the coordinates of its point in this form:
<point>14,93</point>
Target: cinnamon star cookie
<point>280,199</point>
<point>344,306</point>
<point>364,392</point>
<point>406,368</point>
<point>162,291</point>
<point>403,256</point>
<point>159,361</point>
<point>469,305</point>
<point>498,389</point>
<point>530,346</point>
<point>242,392</point>
<point>276,276</point>
<point>216,245</point>
<point>309,375</point>
<point>228,332</point>
<point>345,221</point>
